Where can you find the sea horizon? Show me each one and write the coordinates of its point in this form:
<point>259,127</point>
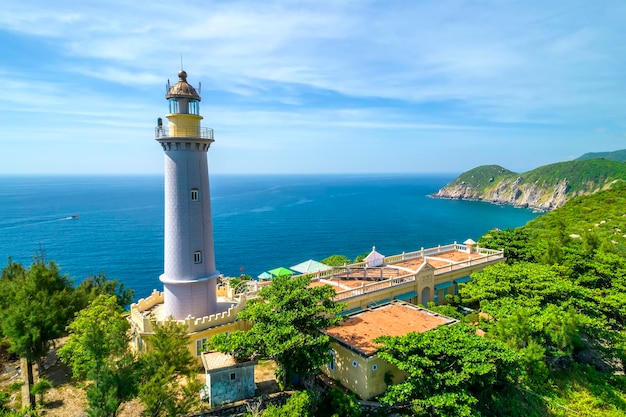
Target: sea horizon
<point>259,221</point>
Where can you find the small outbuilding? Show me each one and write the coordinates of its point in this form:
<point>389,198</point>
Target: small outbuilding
<point>469,243</point>
<point>374,258</point>
<point>310,266</point>
<point>354,358</point>
<point>227,380</point>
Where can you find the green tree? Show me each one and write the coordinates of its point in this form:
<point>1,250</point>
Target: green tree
<point>98,350</point>
<point>286,321</point>
<point>169,386</point>
<point>92,287</point>
<point>361,258</point>
<point>446,310</point>
<point>516,243</point>
<point>334,403</point>
<point>299,404</point>
<point>40,388</point>
<point>35,307</point>
<point>4,398</point>
<point>336,260</point>
<point>447,369</point>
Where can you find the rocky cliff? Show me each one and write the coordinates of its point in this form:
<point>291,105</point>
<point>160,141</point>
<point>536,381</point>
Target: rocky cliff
<point>544,188</point>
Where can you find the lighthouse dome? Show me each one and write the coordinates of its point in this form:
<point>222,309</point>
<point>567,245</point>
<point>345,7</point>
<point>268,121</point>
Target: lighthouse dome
<point>182,89</point>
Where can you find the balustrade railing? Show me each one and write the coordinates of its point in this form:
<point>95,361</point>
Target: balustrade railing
<point>489,255</point>
<point>180,132</point>
<point>376,286</point>
<point>453,266</point>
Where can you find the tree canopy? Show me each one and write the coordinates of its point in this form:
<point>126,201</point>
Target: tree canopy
<point>559,300</point>
<point>286,320</point>
<point>35,306</point>
<point>93,286</point>
<point>98,350</point>
<point>448,369</point>
<point>168,386</point>
<point>336,260</point>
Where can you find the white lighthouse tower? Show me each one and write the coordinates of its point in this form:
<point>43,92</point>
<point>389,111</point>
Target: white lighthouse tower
<point>189,277</point>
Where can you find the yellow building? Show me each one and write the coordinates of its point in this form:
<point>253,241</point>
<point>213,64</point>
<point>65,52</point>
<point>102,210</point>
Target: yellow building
<point>415,277</point>
<point>355,363</point>
<point>418,277</point>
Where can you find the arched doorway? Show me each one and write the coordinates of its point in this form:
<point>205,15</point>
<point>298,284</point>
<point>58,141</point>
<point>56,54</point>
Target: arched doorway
<point>425,296</point>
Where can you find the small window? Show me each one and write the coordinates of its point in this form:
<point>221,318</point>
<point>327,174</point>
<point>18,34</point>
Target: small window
<point>355,364</point>
<point>233,376</point>
<point>194,194</point>
<point>375,367</point>
<point>332,365</point>
<point>197,257</point>
<point>200,346</point>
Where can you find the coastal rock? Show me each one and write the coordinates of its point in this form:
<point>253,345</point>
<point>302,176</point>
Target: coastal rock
<point>545,188</point>
<point>515,193</point>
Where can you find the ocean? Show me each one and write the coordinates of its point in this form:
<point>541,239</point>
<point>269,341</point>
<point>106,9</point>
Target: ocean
<point>260,222</point>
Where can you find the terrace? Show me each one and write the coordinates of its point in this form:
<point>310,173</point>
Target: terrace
<point>446,262</point>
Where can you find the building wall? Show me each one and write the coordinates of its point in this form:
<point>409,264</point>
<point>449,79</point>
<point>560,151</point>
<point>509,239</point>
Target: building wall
<point>141,341</point>
<point>204,335</point>
<point>424,279</point>
<point>224,389</point>
<point>367,378</point>
<point>198,328</point>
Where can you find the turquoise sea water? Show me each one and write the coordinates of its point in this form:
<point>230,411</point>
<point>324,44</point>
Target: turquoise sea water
<point>260,222</point>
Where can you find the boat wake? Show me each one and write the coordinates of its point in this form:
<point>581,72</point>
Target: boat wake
<point>20,223</point>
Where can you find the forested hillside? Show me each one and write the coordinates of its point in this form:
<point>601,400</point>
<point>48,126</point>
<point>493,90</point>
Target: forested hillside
<point>560,302</point>
<point>619,156</point>
<point>544,188</point>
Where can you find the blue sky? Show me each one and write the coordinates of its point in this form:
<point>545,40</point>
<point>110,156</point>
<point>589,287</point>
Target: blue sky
<point>313,86</point>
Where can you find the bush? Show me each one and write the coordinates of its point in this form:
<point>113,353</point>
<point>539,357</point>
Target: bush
<point>337,404</point>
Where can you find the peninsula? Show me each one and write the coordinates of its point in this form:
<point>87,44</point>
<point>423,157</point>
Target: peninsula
<point>544,188</point>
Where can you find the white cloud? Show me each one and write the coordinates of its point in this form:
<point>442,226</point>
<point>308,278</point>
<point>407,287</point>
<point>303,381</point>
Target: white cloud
<point>280,66</point>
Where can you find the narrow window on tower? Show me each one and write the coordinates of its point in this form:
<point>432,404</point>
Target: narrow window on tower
<point>194,194</point>
<point>197,257</point>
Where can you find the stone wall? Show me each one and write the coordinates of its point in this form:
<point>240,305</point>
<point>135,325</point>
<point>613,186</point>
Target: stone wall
<point>240,407</point>
<point>279,399</point>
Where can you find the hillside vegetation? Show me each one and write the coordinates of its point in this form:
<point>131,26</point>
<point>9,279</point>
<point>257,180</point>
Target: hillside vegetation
<point>560,302</point>
<point>544,188</point>
<point>619,156</point>
<point>551,324</point>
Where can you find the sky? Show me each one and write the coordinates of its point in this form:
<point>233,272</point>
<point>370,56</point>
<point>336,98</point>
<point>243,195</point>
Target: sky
<point>320,86</point>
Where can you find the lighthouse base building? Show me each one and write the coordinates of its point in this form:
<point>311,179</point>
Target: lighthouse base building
<point>151,309</point>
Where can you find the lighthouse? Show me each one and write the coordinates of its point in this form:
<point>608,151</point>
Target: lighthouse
<point>189,276</point>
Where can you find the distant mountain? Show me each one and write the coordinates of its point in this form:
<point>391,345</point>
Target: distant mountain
<point>543,188</point>
<point>619,156</point>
